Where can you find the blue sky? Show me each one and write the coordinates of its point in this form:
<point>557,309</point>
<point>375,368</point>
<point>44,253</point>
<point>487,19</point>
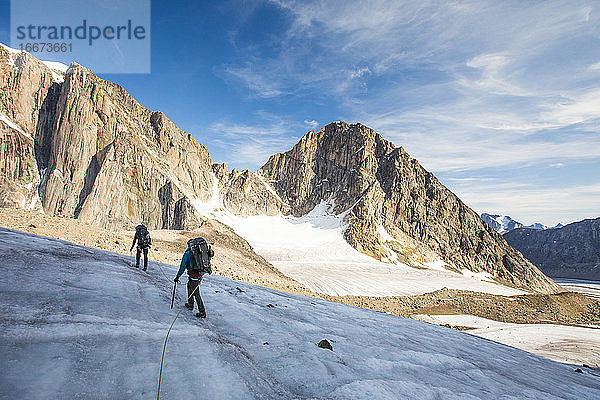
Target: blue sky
<point>501,100</point>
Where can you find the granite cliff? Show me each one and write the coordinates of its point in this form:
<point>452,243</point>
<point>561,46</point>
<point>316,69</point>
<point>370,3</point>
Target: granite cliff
<point>80,146</point>
<point>395,209</point>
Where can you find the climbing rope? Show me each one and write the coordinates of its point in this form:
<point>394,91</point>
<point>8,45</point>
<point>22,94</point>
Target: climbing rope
<point>163,272</point>
<point>131,255</point>
<point>167,337</point>
<point>162,358</point>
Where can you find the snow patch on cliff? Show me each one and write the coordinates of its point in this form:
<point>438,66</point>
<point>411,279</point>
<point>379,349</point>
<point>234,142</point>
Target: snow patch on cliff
<point>14,126</point>
<point>58,70</point>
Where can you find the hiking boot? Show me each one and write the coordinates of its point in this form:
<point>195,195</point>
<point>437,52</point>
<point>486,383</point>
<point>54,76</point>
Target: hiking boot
<point>190,306</point>
<point>137,265</point>
<point>143,269</point>
<point>201,314</point>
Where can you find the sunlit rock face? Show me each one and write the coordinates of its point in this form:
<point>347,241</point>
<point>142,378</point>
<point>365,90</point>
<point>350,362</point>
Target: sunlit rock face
<point>91,151</point>
<point>75,145</point>
<point>396,210</point>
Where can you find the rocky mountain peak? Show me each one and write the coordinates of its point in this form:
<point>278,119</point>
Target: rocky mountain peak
<point>501,223</point>
<point>86,149</point>
<point>396,211</point>
<point>358,138</point>
<point>221,172</point>
<point>338,162</point>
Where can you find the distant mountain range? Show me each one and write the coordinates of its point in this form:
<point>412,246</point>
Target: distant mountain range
<point>504,223</point>
<point>572,251</point>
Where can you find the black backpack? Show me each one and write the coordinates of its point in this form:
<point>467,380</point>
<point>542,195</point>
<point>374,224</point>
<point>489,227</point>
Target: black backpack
<point>201,254</point>
<point>143,236</point>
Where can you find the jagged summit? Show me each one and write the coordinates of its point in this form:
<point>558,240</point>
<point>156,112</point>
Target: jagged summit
<point>85,148</point>
<point>396,210</point>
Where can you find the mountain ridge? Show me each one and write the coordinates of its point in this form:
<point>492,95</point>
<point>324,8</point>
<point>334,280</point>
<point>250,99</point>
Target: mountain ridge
<point>84,148</point>
<point>572,251</point>
<point>504,223</point>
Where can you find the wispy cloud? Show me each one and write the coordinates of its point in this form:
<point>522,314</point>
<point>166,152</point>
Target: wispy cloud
<point>574,108</point>
<point>595,66</point>
<point>529,204</point>
<point>256,81</point>
<point>250,145</point>
<point>311,124</point>
<point>472,86</point>
<point>455,147</point>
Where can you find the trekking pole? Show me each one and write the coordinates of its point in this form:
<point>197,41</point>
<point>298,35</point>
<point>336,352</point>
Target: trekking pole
<point>173,297</point>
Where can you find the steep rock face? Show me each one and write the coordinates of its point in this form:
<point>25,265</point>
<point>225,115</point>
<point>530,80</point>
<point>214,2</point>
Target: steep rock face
<point>572,251</point>
<point>396,210</point>
<point>247,194</point>
<point>27,99</point>
<point>221,173</point>
<point>95,152</point>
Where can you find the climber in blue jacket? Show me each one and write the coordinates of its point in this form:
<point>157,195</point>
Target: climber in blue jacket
<point>196,260</point>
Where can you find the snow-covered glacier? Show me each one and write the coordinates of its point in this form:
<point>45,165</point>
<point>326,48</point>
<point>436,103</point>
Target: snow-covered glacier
<point>82,323</point>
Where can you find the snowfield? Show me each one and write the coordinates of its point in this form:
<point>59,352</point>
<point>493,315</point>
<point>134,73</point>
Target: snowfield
<point>82,323</point>
<point>312,250</point>
<point>570,344</point>
<point>587,287</point>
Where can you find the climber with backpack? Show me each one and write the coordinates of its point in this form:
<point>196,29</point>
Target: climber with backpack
<point>142,237</point>
<point>196,260</point>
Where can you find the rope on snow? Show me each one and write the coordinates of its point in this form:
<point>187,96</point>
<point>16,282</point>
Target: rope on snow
<point>167,337</point>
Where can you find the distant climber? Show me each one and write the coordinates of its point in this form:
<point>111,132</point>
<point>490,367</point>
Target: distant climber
<point>142,237</point>
<point>196,260</point>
